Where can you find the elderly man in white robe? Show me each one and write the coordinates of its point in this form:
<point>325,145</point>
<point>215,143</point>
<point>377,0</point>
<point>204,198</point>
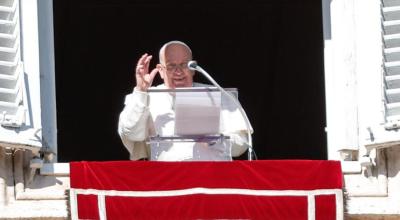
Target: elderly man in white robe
<point>149,114</point>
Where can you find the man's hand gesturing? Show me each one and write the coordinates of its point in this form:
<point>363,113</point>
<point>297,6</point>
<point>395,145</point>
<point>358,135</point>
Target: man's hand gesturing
<point>144,79</point>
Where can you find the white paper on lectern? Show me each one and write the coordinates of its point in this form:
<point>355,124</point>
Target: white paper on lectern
<point>197,113</point>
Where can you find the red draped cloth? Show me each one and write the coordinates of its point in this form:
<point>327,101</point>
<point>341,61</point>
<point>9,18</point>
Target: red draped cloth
<point>271,189</point>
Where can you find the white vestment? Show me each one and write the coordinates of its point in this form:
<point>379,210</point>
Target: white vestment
<point>149,114</point>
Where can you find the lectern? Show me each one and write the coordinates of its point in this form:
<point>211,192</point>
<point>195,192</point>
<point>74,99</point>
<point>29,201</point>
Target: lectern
<point>198,126</point>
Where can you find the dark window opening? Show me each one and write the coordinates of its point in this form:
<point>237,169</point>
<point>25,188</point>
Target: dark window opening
<point>272,51</point>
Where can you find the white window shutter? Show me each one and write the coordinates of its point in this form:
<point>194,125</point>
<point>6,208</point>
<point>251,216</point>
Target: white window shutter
<point>391,36</point>
<point>12,110</point>
<point>380,126</point>
<point>20,103</point>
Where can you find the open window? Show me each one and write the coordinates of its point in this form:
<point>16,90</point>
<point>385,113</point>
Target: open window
<point>27,78</point>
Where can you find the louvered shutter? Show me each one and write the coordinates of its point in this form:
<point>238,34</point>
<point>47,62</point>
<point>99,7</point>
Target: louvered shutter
<point>391,36</point>
<point>12,111</point>
<point>20,71</point>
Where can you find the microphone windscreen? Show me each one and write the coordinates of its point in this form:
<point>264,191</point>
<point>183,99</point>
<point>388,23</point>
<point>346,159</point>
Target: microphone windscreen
<point>192,65</point>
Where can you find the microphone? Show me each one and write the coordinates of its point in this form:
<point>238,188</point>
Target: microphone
<point>192,65</point>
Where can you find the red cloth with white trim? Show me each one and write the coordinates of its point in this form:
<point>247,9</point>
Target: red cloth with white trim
<point>207,190</point>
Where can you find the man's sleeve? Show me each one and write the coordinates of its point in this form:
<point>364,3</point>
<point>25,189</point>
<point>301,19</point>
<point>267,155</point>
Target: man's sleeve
<point>234,125</point>
<point>134,122</point>
<point>239,143</point>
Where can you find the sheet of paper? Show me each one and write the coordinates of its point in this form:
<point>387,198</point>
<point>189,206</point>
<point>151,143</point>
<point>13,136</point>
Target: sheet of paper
<point>197,113</point>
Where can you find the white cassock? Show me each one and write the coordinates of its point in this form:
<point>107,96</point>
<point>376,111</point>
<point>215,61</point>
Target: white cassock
<point>149,114</point>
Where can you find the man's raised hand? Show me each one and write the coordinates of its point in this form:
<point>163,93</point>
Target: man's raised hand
<point>144,79</point>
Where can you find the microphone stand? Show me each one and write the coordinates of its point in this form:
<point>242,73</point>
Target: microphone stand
<point>193,66</point>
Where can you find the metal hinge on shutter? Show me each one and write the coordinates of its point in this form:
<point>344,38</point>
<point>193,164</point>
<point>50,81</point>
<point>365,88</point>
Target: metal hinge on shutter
<point>391,70</point>
<point>12,110</point>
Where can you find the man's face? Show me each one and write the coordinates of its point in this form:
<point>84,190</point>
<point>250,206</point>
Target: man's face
<point>174,71</point>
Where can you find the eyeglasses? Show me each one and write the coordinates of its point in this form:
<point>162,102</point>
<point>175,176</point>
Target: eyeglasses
<point>174,67</point>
